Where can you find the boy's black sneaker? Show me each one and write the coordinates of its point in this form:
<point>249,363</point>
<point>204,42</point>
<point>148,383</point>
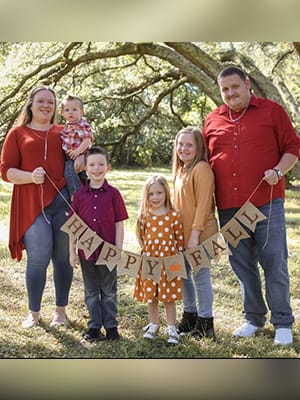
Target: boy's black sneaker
<point>93,335</point>
<point>112,334</point>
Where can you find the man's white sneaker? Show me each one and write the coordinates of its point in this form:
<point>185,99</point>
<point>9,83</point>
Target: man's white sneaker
<point>151,331</point>
<point>283,336</point>
<point>246,330</point>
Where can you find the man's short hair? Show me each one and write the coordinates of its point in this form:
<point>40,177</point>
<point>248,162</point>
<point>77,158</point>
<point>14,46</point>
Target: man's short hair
<point>232,70</point>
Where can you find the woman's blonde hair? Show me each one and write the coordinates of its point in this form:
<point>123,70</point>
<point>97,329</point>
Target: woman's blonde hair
<point>201,151</point>
<point>144,202</point>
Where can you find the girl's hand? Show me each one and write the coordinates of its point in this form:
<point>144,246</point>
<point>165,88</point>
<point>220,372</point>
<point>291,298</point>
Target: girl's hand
<point>194,239</point>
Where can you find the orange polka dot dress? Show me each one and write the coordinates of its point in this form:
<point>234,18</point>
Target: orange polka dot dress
<point>162,236</point>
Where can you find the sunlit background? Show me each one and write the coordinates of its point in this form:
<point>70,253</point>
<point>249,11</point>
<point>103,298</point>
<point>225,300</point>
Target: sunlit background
<point>123,20</point>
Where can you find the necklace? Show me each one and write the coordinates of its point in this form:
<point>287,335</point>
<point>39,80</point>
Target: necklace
<point>45,139</point>
<point>239,117</point>
<point>46,145</point>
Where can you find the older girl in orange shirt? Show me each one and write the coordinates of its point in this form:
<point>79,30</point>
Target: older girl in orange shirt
<point>194,199</point>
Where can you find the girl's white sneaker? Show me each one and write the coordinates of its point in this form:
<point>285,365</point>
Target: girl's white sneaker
<point>173,334</point>
<point>151,331</point>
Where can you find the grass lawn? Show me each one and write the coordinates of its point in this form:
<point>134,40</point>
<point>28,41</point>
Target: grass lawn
<point>64,341</point>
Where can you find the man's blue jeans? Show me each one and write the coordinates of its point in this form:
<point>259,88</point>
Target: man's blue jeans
<point>273,258</point>
<point>100,289</point>
<point>44,242</point>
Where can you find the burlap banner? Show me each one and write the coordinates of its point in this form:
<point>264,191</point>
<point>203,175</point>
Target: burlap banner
<point>129,263</point>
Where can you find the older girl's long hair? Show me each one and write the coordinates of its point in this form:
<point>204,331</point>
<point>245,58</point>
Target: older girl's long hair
<point>25,116</point>
<point>201,151</point>
<point>144,202</point>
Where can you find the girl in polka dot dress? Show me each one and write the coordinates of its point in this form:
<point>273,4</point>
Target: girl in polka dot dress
<point>160,234</point>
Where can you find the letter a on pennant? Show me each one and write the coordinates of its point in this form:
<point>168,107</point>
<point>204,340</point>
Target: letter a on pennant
<point>216,246</point>
<point>89,242</point>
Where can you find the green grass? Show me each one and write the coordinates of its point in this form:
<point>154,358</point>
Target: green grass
<point>64,341</point>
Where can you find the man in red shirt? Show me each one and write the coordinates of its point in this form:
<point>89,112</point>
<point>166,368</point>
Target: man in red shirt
<point>252,145</point>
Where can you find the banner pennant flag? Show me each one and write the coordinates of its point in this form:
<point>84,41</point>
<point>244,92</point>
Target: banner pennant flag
<point>197,258</point>
<point>151,268</point>
<point>129,263</point>
<point>74,226</point>
<point>89,242</point>
<point>249,216</point>
<point>175,266</point>
<point>216,246</point>
<point>233,232</point>
<point>110,255</point>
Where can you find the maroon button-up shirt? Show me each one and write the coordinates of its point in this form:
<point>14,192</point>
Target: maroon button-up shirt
<point>240,152</point>
<point>100,209</point>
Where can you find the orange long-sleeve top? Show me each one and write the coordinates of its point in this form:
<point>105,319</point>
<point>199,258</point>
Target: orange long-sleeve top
<point>26,149</point>
<point>194,199</point>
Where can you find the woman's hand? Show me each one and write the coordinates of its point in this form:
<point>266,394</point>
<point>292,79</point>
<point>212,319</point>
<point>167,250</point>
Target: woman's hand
<point>38,175</point>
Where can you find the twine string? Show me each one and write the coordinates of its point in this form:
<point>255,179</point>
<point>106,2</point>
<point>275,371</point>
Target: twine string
<point>258,185</point>
<point>270,209</point>
<point>42,201</point>
<point>71,208</point>
<point>59,192</point>
<point>269,218</point>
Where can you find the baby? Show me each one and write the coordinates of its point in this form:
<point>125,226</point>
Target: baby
<point>77,138</point>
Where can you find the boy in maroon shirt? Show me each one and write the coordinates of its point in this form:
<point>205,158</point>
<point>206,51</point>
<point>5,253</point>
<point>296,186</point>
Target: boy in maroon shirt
<point>102,208</point>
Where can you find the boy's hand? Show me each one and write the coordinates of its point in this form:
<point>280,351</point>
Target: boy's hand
<point>74,260</point>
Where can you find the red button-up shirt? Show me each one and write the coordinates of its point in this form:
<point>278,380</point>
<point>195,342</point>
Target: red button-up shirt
<point>100,209</point>
<point>240,152</point>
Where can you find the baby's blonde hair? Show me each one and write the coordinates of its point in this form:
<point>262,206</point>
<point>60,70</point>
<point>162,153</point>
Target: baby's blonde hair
<point>71,97</point>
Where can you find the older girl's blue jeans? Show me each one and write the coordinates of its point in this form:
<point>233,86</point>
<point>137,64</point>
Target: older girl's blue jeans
<point>45,242</point>
<point>197,292</point>
<point>100,290</point>
<point>266,246</point>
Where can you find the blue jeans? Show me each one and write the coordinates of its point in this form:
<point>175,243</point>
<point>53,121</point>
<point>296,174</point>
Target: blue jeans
<point>273,258</point>
<point>72,179</point>
<point>100,290</point>
<point>45,241</point>
<point>197,292</point>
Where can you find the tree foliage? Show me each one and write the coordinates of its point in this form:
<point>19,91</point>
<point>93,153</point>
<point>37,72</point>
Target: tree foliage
<point>138,95</point>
